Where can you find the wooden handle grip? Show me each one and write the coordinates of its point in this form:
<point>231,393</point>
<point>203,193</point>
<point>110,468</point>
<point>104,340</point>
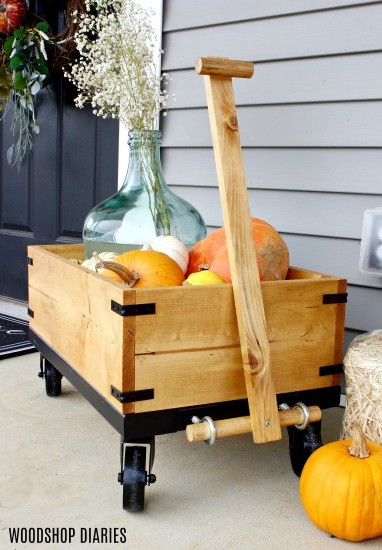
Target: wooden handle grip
<point>224,67</point>
<point>242,424</point>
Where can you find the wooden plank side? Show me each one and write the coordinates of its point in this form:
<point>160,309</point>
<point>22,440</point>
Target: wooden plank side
<point>304,335</point>
<point>72,312</point>
<point>301,329</point>
<point>204,316</point>
<point>316,34</point>
<point>299,273</point>
<point>187,318</point>
<point>183,14</point>
<point>337,170</point>
<point>66,252</point>
<point>188,378</point>
<point>200,377</point>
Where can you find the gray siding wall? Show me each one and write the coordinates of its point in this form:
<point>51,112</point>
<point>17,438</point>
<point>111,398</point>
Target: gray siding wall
<point>310,124</point>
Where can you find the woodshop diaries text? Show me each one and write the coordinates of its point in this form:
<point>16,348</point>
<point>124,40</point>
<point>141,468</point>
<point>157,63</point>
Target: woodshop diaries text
<point>63,535</point>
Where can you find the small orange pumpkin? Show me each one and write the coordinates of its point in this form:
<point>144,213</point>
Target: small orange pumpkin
<point>341,488</point>
<point>142,269</point>
<point>271,252</point>
<point>12,14</point>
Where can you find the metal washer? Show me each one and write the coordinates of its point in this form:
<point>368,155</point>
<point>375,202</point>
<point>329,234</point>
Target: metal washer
<point>305,412</point>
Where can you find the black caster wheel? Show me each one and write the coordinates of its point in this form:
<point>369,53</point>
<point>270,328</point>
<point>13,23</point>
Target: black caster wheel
<point>302,443</point>
<point>52,380</point>
<point>134,479</point>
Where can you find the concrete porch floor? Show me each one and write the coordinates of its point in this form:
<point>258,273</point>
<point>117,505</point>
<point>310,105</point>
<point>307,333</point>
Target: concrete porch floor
<point>59,466</point>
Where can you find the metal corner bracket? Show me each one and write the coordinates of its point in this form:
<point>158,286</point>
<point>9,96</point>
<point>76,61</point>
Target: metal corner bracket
<point>132,396</point>
<point>132,310</point>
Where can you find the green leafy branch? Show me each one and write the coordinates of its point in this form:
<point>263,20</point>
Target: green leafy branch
<point>23,73</point>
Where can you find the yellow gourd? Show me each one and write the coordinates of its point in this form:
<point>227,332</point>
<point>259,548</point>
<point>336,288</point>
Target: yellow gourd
<point>205,277</point>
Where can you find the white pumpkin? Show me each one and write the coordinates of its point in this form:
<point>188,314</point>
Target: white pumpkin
<point>105,256</point>
<point>171,246</point>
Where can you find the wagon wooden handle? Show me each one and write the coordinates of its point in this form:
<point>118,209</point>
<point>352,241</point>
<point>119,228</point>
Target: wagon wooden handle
<point>246,286</point>
<point>224,67</point>
<point>242,424</point>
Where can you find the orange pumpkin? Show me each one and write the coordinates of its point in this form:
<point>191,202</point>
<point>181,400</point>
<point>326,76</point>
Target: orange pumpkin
<point>341,488</point>
<point>143,269</point>
<point>271,251</point>
<point>12,14</point>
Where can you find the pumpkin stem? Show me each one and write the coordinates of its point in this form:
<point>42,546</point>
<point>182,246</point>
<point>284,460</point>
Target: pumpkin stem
<point>358,448</point>
<point>127,276</point>
<point>204,267</point>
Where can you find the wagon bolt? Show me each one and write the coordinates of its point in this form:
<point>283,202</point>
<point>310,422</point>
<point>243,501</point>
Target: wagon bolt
<point>151,478</point>
<point>195,420</point>
<point>267,423</point>
<point>284,407</point>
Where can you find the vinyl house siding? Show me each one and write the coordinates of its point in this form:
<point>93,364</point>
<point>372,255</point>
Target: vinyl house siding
<point>310,124</point>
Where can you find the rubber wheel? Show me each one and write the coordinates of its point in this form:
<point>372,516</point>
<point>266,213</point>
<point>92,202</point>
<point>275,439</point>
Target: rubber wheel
<point>302,443</point>
<point>52,380</point>
<point>134,479</point>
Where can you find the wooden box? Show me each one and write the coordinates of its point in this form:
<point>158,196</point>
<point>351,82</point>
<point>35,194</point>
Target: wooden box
<point>184,345</point>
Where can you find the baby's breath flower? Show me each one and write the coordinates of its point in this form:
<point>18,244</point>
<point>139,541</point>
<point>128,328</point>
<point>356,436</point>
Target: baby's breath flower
<point>116,69</point>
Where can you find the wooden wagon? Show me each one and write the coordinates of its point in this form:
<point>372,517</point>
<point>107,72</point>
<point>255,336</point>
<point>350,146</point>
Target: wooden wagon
<point>157,360</point>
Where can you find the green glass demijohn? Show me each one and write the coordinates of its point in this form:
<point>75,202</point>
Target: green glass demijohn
<point>144,206</point>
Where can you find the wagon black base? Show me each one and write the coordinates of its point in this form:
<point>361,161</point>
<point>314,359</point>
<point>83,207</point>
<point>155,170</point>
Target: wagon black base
<point>138,431</point>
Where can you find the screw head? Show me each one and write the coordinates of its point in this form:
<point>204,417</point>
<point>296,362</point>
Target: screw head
<point>268,423</point>
<point>152,478</point>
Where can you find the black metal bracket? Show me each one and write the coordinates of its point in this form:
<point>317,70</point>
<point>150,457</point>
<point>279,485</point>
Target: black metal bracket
<point>30,260</point>
<point>30,313</point>
<point>331,369</point>
<point>132,396</point>
<point>340,298</point>
<point>132,309</point>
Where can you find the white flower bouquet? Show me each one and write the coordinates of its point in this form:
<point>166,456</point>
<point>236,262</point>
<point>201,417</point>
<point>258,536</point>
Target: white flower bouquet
<point>116,69</point>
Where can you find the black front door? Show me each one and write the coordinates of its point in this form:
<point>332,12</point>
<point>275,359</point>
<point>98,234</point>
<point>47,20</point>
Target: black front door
<point>74,166</point>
